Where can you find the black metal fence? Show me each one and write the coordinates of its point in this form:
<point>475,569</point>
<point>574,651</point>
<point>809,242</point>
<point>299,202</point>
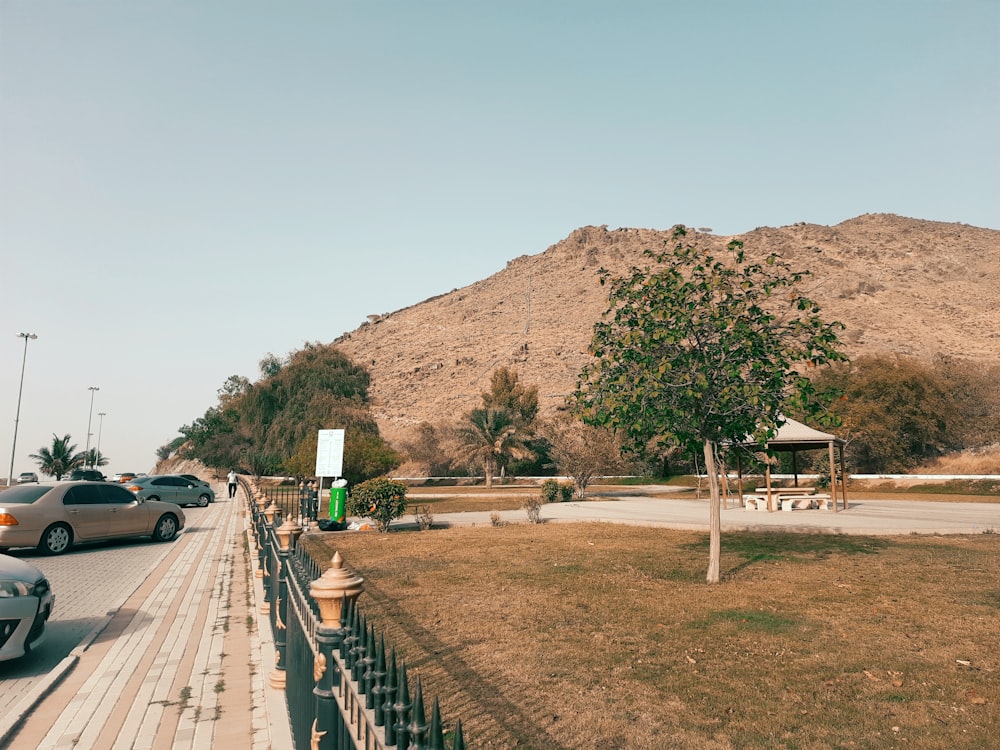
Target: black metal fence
<point>345,690</point>
<point>295,502</point>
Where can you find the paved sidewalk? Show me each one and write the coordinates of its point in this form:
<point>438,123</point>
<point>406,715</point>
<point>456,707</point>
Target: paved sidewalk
<point>183,664</point>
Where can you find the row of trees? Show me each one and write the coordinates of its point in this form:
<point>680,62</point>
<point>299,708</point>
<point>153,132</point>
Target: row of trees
<point>62,457</point>
<point>271,426</point>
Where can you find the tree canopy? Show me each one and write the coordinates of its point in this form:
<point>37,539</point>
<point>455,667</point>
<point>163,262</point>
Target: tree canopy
<point>271,425</point>
<point>700,350</point>
<point>60,459</point>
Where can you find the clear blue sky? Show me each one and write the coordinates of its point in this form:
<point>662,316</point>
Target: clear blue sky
<point>186,186</point>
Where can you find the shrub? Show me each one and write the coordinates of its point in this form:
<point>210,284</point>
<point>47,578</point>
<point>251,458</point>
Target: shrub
<point>550,490</point>
<point>380,499</point>
<point>566,490</point>
<point>496,520</point>
<point>533,507</point>
<point>425,519</point>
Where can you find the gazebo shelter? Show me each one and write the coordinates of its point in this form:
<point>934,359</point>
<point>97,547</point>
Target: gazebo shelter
<point>793,437</point>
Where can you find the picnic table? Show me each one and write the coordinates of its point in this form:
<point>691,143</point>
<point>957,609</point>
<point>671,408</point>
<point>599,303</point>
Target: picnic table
<point>788,498</point>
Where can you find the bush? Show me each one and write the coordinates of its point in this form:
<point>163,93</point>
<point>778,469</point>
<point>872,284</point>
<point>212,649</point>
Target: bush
<point>550,490</point>
<point>533,507</point>
<point>381,500</point>
<point>566,491</point>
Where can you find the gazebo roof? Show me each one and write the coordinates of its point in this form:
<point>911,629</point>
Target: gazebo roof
<point>795,436</point>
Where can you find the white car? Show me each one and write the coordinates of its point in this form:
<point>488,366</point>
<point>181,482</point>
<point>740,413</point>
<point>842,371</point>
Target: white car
<point>26,602</point>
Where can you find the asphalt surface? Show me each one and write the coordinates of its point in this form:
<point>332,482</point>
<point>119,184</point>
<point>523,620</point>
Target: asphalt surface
<point>862,516</point>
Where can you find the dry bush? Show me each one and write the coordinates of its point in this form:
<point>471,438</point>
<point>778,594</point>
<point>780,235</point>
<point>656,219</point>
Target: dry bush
<point>533,508</point>
<point>979,461</point>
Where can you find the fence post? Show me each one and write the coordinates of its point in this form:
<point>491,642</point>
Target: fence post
<point>286,539</point>
<point>335,593</point>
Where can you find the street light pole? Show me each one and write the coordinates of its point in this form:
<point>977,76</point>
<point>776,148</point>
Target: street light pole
<point>100,429</point>
<point>17,415</point>
<point>90,417</point>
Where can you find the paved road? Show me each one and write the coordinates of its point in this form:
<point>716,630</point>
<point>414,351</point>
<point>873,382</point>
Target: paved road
<point>863,516</point>
<point>90,583</point>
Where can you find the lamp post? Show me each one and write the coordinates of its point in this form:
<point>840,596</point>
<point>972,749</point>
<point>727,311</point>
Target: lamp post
<point>90,417</point>
<point>100,429</point>
<point>17,414</point>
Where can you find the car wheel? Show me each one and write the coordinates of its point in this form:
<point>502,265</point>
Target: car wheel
<point>203,501</point>
<point>57,539</point>
<point>166,529</point>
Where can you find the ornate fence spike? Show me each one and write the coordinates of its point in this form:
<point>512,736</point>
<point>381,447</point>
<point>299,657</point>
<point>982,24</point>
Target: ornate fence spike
<point>368,668</point>
<point>358,652</point>
<point>435,737</point>
<point>402,710</point>
<point>459,738</point>
<point>418,725</point>
<point>378,681</point>
<point>390,699</point>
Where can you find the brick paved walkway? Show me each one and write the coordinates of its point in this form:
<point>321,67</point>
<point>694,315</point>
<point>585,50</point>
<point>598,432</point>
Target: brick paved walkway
<point>183,663</point>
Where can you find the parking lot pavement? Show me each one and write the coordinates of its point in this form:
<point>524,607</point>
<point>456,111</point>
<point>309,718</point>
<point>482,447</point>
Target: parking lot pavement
<point>179,665</point>
<point>863,516</point>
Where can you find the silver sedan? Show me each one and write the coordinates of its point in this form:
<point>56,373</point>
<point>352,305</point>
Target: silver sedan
<point>172,488</point>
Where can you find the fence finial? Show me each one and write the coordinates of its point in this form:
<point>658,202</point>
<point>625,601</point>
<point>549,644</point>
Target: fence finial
<point>331,589</point>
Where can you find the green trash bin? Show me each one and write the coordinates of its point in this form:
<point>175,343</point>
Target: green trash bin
<point>338,500</point>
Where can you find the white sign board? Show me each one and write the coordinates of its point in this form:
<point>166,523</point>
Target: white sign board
<point>330,453</point>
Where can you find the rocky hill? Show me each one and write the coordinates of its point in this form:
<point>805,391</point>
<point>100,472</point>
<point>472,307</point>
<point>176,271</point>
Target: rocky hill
<point>900,285</point>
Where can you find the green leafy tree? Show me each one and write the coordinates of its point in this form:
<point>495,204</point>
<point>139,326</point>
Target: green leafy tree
<point>507,392</point>
<point>703,350</point>
<point>488,438</point>
<point>381,499</point>
<point>94,458</point>
<point>898,411</point>
<point>60,459</point>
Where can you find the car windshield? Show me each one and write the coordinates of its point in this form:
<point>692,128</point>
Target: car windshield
<point>22,495</point>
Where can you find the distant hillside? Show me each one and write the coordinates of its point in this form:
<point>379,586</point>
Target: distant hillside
<point>901,285</point>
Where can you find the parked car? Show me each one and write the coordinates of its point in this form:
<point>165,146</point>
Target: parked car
<point>85,475</point>
<point>26,477</point>
<point>124,476</point>
<point>172,488</point>
<point>54,516</point>
<point>194,479</point>
<point>26,602</point>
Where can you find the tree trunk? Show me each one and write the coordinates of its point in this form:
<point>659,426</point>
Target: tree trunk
<point>714,515</point>
<point>488,470</point>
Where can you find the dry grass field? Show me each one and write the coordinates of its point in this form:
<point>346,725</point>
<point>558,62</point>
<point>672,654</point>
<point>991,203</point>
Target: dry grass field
<point>574,636</point>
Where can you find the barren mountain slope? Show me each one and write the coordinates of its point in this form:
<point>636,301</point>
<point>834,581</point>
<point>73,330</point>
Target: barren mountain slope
<point>900,285</point>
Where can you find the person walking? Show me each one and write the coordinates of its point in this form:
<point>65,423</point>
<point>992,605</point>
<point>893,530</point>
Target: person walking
<point>232,483</point>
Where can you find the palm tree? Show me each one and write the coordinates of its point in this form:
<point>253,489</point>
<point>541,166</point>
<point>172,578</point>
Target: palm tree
<point>60,459</point>
<point>94,459</point>
<point>489,437</point>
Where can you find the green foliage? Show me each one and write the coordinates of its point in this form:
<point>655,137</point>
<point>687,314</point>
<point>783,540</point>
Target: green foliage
<point>166,451</point>
<point>567,490</point>
<point>94,458</point>
<point>507,392</point>
<point>550,490</point>
<point>702,349</point>
<point>489,438</point>
<point>60,459</point>
<point>898,411</point>
<point>381,499</point>
<point>271,425</point>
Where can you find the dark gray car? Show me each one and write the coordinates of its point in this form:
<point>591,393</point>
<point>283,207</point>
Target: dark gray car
<point>171,488</point>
